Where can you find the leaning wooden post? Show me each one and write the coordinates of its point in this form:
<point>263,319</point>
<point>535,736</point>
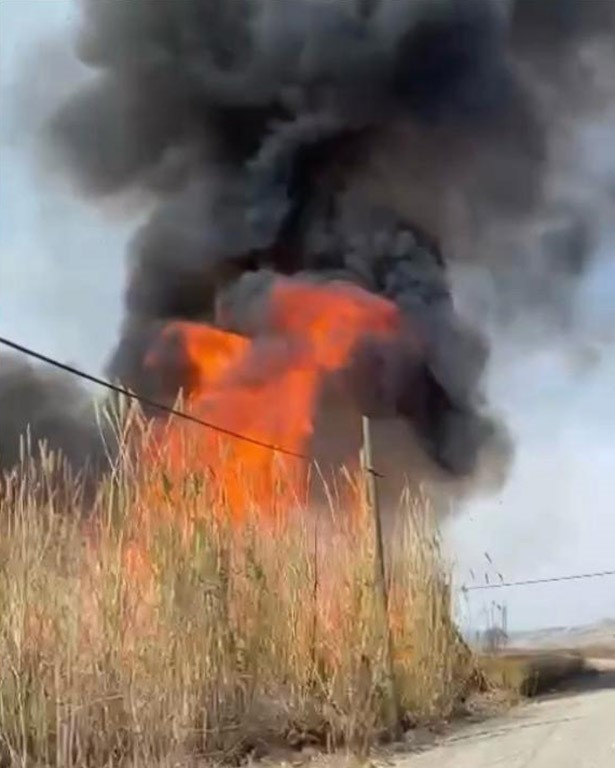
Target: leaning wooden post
<point>380,577</point>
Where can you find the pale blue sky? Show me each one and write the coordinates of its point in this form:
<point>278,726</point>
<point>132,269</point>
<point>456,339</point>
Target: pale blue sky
<point>61,262</point>
<point>61,277</point>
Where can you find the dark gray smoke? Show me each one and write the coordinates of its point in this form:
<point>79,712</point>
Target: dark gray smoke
<point>326,139</point>
<point>44,413</point>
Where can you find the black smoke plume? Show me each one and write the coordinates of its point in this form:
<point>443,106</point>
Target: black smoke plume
<point>325,139</point>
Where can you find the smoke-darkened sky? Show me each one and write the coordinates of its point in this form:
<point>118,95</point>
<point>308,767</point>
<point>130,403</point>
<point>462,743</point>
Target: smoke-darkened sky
<point>61,279</point>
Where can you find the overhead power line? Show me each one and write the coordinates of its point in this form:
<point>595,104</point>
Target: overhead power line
<point>33,354</point>
<point>534,582</point>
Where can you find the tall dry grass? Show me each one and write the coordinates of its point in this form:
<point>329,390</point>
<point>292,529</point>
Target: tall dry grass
<point>139,628</point>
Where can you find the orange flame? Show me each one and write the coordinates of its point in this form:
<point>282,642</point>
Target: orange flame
<point>267,389</point>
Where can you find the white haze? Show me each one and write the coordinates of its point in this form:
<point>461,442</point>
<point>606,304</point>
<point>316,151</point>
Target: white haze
<point>61,279</point>
<point>556,515</point>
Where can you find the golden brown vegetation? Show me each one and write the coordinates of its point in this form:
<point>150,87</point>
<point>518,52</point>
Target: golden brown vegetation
<point>156,633</point>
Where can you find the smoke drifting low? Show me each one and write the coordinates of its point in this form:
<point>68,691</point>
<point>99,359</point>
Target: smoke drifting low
<point>50,410</point>
<point>354,140</point>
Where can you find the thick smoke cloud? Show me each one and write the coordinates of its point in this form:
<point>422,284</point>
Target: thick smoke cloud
<point>329,139</point>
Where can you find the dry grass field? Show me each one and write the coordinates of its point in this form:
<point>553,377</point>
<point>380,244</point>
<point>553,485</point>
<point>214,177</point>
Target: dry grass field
<point>143,626</point>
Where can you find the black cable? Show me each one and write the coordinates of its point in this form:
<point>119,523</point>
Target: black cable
<point>533,582</point>
<point>146,400</point>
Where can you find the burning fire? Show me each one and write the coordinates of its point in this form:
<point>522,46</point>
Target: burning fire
<point>267,388</point>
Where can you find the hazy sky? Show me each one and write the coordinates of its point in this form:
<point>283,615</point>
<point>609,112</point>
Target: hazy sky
<point>61,263</point>
<point>61,276</point>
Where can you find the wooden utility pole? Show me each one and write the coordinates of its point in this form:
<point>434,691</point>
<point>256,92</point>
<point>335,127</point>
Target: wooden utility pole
<point>380,577</point>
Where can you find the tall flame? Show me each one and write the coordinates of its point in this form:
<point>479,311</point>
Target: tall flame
<point>267,388</point>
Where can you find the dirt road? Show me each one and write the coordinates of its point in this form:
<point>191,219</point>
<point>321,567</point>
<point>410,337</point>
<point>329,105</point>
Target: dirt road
<point>575,729</point>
